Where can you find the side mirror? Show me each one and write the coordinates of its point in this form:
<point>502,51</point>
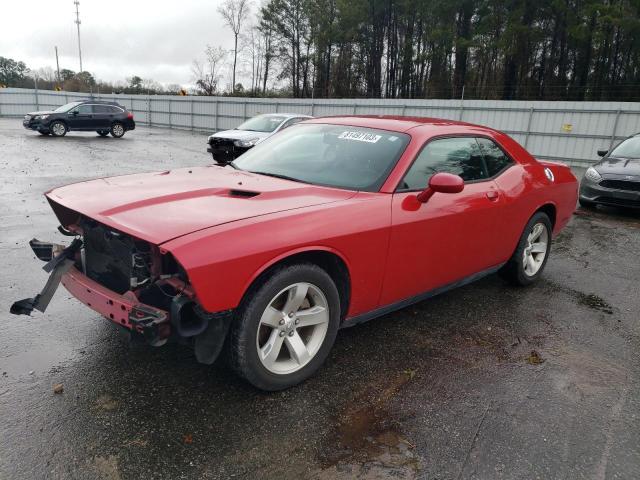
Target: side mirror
<point>441,183</point>
<point>602,153</point>
<point>74,112</point>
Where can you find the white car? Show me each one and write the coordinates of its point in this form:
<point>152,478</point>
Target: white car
<point>227,145</point>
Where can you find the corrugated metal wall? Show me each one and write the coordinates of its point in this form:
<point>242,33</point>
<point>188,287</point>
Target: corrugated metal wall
<point>567,131</point>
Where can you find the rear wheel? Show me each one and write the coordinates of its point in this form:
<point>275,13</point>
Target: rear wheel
<point>103,133</point>
<point>528,261</point>
<point>58,129</point>
<point>285,327</point>
<point>117,130</point>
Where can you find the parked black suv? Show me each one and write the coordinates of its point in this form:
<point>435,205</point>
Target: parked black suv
<point>102,117</point>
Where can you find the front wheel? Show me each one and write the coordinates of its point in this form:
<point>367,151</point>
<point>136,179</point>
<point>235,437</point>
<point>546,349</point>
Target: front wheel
<point>528,261</point>
<point>117,130</point>
<point>285,327</point>
<point>58,129</point>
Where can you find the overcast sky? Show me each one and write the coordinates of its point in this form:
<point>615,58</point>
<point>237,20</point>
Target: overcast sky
<point>153,39</point>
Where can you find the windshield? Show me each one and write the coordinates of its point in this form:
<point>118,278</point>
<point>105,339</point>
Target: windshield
<point>630,148</point>
<point>340,156</point>
<point>263,123</point>
<point>67,107</point>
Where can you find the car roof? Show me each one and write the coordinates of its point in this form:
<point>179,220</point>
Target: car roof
<point>100,102</point>
<point>395,123</point>
<point>284,114</point>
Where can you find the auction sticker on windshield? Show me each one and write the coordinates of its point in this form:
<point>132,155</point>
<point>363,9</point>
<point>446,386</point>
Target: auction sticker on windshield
<point>360,136</point>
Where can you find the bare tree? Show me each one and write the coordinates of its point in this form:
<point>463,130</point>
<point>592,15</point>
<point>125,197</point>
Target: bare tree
<point>207,74</point>
<point>268,52</point>
<point>46,73</point>
<point>235,13</point>
<point>253,46</point>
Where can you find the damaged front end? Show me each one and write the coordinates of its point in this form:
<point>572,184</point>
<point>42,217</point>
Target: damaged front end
<point>131,282</point>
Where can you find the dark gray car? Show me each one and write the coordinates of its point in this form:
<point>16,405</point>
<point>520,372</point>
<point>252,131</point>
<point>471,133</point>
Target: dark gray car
<point>614,180</point>
<point>88,115</point>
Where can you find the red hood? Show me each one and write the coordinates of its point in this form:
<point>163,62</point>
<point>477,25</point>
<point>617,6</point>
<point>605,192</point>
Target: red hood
<point>160,206</point>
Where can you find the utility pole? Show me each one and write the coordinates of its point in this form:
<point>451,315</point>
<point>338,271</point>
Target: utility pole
<point>57,65</point>
<point>77,22</point>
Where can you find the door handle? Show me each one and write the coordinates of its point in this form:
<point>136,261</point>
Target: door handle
<point>492,195</point>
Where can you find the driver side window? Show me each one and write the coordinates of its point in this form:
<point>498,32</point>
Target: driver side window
<point>457,155</point>
<point>84,109</point>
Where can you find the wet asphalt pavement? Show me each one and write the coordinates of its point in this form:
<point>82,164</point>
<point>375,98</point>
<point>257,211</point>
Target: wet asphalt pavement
<point>487,381</point>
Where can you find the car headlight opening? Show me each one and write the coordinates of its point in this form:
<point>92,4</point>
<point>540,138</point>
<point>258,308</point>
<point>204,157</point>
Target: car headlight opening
<point>592,174</point>
<point>249,142</point>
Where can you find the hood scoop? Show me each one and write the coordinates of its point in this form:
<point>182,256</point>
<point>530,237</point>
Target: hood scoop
<point>243,193</point>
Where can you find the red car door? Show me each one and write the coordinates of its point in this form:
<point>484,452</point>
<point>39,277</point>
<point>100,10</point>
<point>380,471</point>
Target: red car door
<point>450,237</point>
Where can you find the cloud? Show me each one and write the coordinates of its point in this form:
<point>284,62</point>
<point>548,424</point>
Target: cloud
<point>152,39</point>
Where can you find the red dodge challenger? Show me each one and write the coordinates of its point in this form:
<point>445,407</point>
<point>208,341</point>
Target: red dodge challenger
<point>330,223</point>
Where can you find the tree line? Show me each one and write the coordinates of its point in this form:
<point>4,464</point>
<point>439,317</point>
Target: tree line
<point>14,73</point>
<point>494,49</point>
<point>486,49</point>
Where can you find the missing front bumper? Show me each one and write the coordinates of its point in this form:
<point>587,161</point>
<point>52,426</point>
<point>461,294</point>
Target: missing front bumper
<point>59,262</point>
<point>185,321</point>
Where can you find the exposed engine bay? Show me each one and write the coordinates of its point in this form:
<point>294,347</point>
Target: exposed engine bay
<point>148,285</point>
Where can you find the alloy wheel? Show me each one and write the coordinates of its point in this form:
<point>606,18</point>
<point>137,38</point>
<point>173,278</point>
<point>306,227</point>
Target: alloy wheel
<point>292,328</point>
<point>535,249</point>
<point>58,129</point>
<point>118,130</point>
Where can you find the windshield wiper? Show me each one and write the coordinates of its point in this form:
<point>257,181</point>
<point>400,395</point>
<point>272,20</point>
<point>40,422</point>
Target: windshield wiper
<point>277,175</point>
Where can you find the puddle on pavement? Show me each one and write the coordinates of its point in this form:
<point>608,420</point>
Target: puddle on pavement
<point>367,442</point>
<point>39,360</point>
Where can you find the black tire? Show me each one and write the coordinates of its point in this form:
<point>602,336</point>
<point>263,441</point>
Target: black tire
<point>43,133</point>
<point>586,203</point>
<point>117,130</point>
<point>102,133</point>
<point>58,128</point>
<point>242,344</point>
<point>514,270</point>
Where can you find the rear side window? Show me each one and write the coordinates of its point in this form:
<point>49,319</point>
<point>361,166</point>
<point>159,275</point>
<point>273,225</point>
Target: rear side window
<point>457,155</point>
<point>495,158</point>
<point>102,109</point>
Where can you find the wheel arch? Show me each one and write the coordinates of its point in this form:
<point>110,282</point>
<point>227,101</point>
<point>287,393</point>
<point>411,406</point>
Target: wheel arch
<point>61,120</point>
<point>550,210</point>
<point>326,258</point>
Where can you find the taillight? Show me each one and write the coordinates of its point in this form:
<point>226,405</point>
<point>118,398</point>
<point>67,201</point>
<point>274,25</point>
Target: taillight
<point>130,116</point>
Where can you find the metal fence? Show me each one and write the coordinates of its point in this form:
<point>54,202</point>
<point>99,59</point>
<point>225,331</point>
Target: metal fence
<point>566,131</point>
